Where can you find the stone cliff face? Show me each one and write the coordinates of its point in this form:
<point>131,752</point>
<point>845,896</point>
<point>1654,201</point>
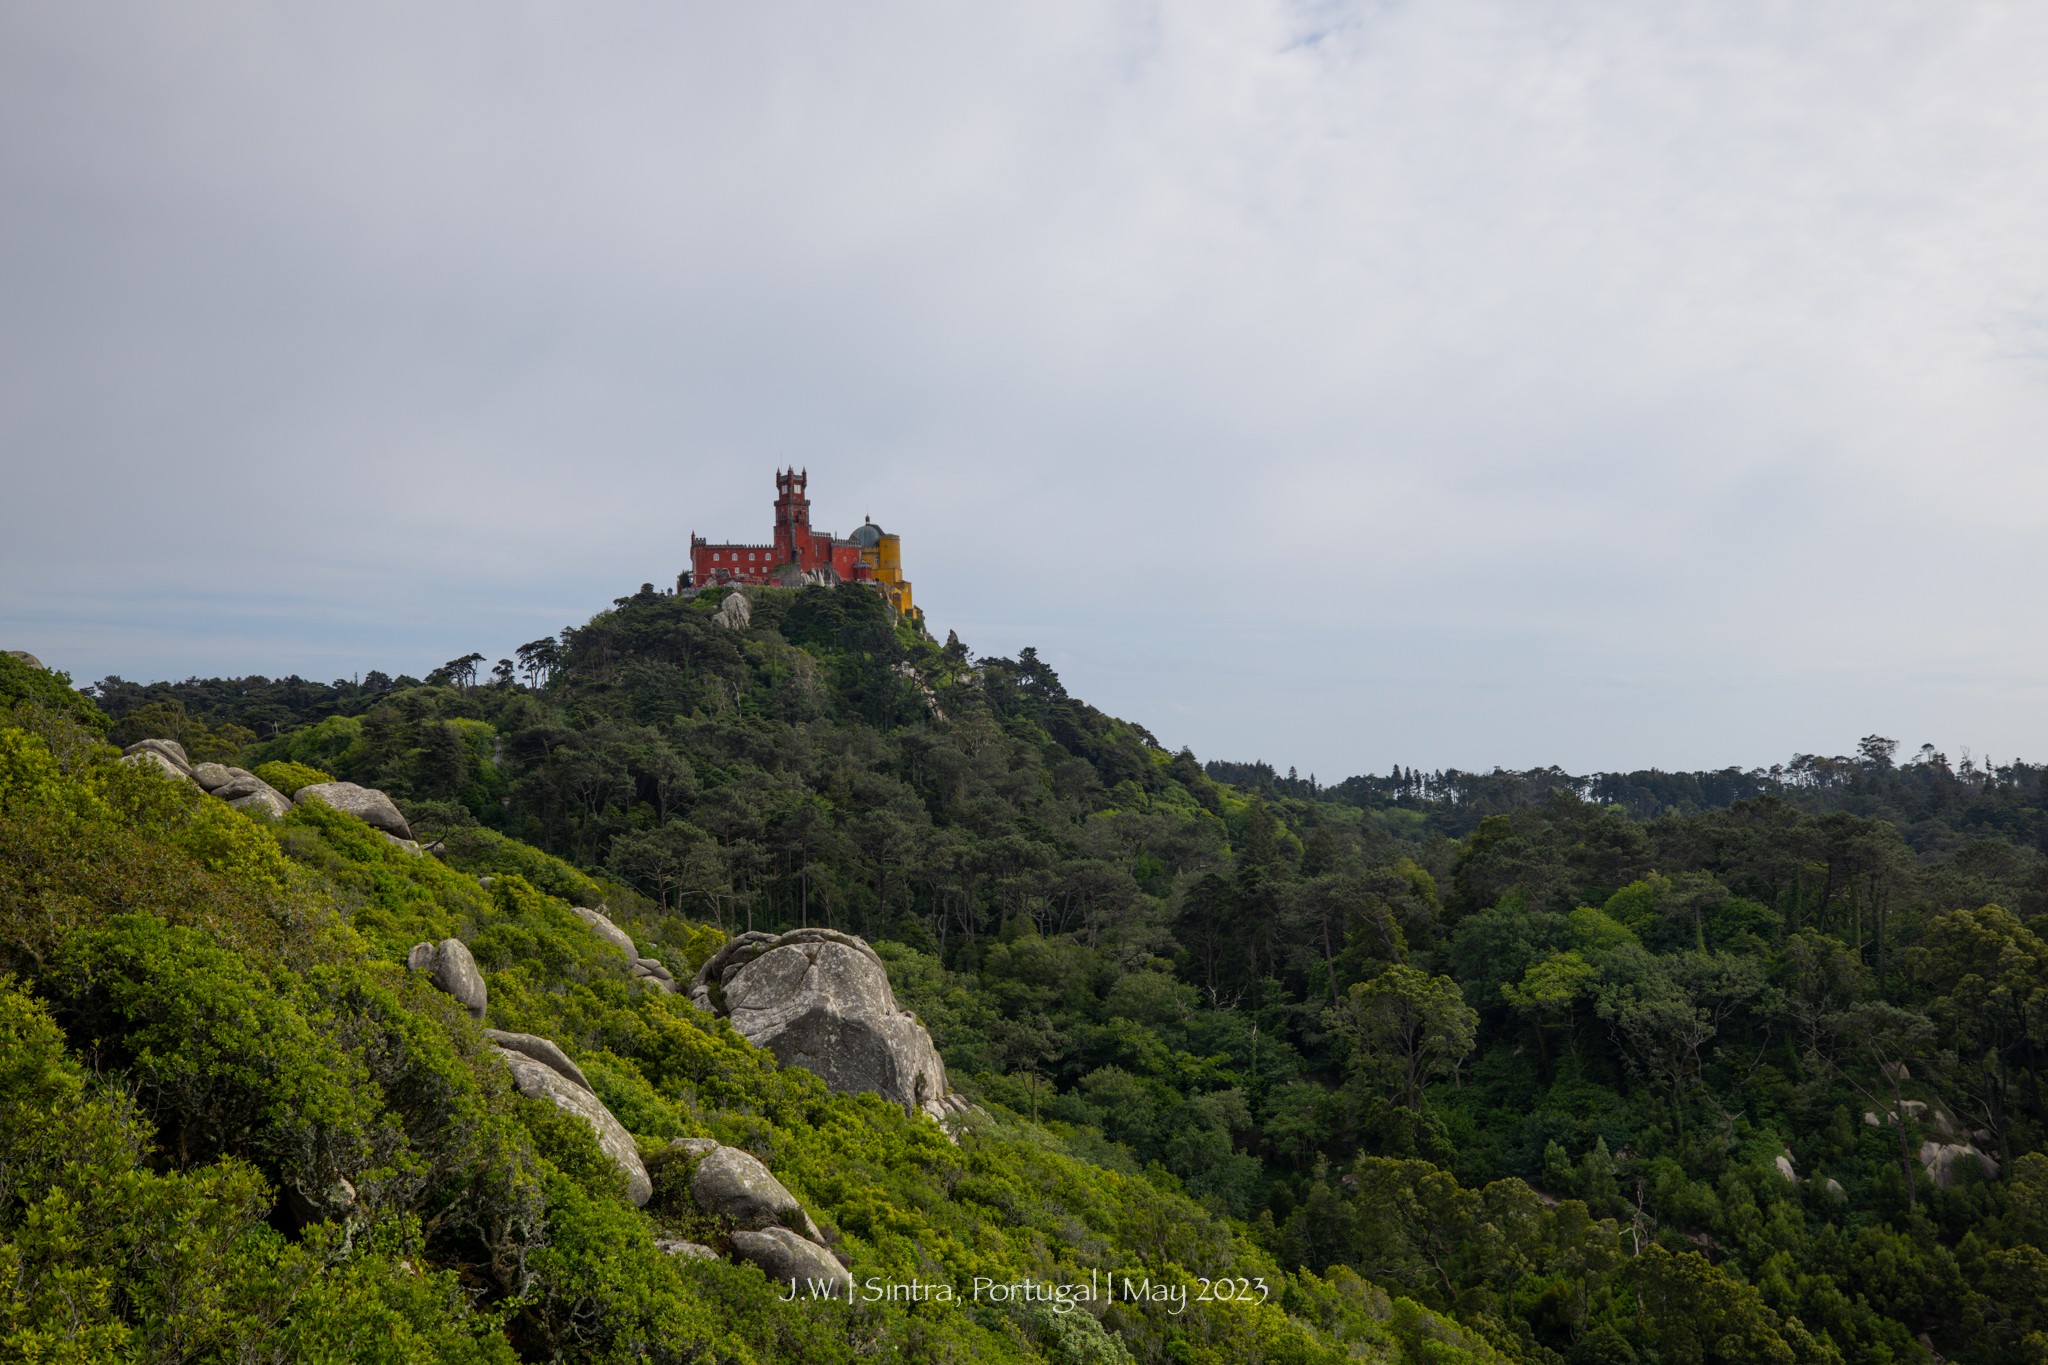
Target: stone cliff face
<point>820,999</point>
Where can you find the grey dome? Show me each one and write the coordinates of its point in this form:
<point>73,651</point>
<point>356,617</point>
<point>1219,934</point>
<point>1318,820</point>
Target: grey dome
<point>868,536</point>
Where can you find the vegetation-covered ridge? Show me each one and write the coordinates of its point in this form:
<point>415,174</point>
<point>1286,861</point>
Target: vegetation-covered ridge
<point>234,1127</point>
<point>1511,1071</point>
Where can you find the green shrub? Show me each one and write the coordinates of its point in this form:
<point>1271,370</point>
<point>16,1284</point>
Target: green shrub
<point>482,851</point>
<point>24,687</point>
<point>287,776</point>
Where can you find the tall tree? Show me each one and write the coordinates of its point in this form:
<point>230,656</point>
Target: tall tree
<point>1414,1027</point>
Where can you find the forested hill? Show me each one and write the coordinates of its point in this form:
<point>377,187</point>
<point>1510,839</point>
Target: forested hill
<point>1936,804</point>
<point>1657,1068</point>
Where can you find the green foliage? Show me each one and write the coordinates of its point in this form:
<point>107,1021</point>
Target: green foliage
<point>485,851</point>
<point>104,1258</point>
<point>27,692</point>
<point>1467,1067</point>
<point>288,777</point>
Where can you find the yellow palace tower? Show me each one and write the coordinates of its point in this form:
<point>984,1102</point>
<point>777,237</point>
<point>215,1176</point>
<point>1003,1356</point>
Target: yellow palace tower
<point>882,552</point>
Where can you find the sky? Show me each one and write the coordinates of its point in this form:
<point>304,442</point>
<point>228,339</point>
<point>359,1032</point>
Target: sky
<point>1472,383</point>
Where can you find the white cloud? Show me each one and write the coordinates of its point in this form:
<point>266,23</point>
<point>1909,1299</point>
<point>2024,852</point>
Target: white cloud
<point>1344,384</point>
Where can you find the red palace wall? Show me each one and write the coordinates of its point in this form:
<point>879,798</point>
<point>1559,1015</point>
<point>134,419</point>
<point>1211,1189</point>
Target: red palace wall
<point>730,564</point>
<point>711,564</point>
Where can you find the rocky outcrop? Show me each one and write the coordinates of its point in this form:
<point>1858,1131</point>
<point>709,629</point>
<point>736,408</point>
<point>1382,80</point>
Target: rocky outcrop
<point>31,660</point>
<point>227,783</point>
<point>537,1080</point>
<point>601,925</point>
<point>643,968</point>
<point>367,804</point>
<point>238,782</point>
<point>450,966</point>
<point>542,1050</point>
<point>734,1185</point>
<point>821,1000</point>
<point>169,748</point>
<point>165,755</point>
<point>244,790</point>
<point>735,612</point>
<point>805,1265</point>
<point>1941,1161</point>
<point>150,758</point>
<point>212,776</point>
<point>268,800</point>
<point>768,1226</point>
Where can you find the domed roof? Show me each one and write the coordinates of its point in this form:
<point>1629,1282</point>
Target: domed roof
<point>868,535</point>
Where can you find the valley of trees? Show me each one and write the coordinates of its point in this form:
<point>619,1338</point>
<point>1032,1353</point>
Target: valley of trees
<point>1647,1067</point>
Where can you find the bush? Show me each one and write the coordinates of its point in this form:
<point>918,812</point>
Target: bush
<point>288,776</point>
<point>24,686</point>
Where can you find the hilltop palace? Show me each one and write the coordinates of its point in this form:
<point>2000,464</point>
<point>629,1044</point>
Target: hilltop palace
<point>800,556</point>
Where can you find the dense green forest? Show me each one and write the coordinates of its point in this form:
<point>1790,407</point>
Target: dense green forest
<point>1732,1066</point>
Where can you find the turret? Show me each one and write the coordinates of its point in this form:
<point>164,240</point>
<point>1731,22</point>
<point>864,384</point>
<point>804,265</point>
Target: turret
<point>792,515</point>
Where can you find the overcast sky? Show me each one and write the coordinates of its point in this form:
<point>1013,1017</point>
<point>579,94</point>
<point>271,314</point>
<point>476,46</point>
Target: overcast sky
<point>1345,385</point>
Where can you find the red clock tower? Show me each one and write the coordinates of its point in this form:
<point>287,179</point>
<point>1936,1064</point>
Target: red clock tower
<point>793,519</point>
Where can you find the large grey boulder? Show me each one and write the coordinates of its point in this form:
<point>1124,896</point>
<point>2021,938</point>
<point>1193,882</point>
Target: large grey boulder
<point>1942,1159</point>
<point>601,925</point>
<point>654,974</point>
<point>821,1000</point>
<point>786,1257</point>
<point>169,748</point>
<point>452,968</point>
<point>31,660</point>
<point>543,1050</point>
<point>237,782</point>
<point>732,1184</point>
<point>367,804</point>
<point>268,800</point>
<point>155,762</point>
<point>168,753</point>
<point>542,1082</point>
<point>735,612</point>
<point>212,775</point>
